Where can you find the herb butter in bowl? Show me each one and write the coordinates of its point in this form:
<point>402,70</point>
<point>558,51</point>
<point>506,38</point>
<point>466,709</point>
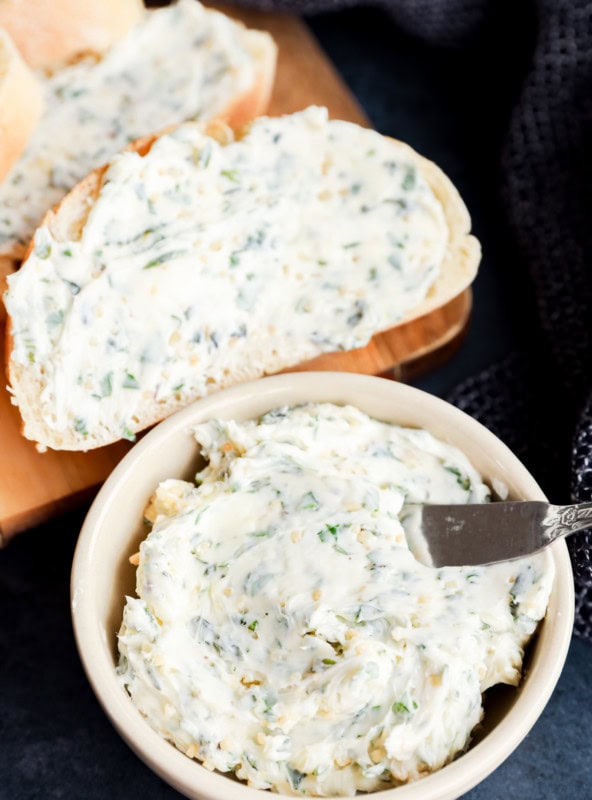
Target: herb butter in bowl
<point>282,632</point>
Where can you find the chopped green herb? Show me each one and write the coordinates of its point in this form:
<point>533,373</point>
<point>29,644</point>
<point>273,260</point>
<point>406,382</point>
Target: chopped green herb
<point>67,253</point>
<point>162,259</point>
<point>255,241</point>
<point>514,605</point>
<point>355,189</point>
<point>253,625</point>
<point>255,581</point>
<point>321,263</point>
<point>303,306</point>
<point>74,287</point>
<point>130,381</point>
<point>400,708</point>
<point>295,777</point>
<point>234,260</point>
<point>329,661</point>
<point>128,434</point>
<point>43,251</point>
<point>231,174</point>
<point>260,534</point>
<point>350,245</point>
<point>358,314</point>
<point>205,154</point>
<point>269,703</point>
<point>80,426</point>
<point>54,319</point>
<point>328,530</point>
<point>396,201</point>
<point>409,179</point>
<point>178,387</point>
<point>309,502</point>
<point>462,481</point>
<point>106,385</point>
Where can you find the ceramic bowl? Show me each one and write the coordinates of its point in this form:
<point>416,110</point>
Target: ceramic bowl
<point>113,529</point>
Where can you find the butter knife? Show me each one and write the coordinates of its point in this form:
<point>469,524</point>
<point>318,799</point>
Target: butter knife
<point>467,535</point>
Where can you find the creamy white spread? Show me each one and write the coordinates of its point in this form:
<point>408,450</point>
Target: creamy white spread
<point>284,631</point>
<point>178,63</point>
<point>200,263</point>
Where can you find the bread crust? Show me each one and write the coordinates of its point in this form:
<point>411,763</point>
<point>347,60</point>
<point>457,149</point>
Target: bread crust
<point>52,33</point>
<point>21,103</point>
<point>463,254</point>
<point>66,222</point>
<point>254,101</point>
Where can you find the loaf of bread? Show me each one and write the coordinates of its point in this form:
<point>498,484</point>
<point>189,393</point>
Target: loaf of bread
<point>21,103</point>
<point>52,33</point>
<point>201,259</point>
<point>179,62</point>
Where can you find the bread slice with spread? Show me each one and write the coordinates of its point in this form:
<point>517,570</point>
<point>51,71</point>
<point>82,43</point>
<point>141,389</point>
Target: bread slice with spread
<point>202,259</point>
<point>176,63</point>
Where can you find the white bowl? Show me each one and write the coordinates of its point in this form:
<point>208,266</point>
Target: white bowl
<point>113,529</point>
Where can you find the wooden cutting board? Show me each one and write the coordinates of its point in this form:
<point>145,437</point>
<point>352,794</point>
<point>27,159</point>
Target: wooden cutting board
<point>35,486</point>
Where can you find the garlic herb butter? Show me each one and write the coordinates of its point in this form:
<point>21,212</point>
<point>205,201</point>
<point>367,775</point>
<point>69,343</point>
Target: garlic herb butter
<point>283,630</point>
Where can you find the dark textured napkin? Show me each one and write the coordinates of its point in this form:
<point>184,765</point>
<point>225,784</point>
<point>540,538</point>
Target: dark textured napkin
<point>538,401</point>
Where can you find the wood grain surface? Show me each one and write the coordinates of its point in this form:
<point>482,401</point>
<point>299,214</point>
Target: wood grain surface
<point>36,486</point>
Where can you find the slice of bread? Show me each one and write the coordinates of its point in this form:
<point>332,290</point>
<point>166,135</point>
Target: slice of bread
<point>202,260</point>
<point>52,33</point>
<point>179,62</point>
<point>21,103</point>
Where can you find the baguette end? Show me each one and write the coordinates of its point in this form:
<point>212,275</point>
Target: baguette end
<point>21,103</point>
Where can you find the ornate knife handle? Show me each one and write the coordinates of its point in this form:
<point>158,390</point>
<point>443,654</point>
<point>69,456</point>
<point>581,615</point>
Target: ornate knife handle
<point>563,520</point>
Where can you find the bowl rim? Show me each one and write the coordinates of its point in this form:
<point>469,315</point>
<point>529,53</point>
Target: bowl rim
<point>189,776</point>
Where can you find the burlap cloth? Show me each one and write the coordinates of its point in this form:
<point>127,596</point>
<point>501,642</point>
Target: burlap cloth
<point>538,402</point>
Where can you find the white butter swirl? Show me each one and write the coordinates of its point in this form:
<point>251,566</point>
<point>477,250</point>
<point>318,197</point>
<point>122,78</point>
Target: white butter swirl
<point>283,629</point>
